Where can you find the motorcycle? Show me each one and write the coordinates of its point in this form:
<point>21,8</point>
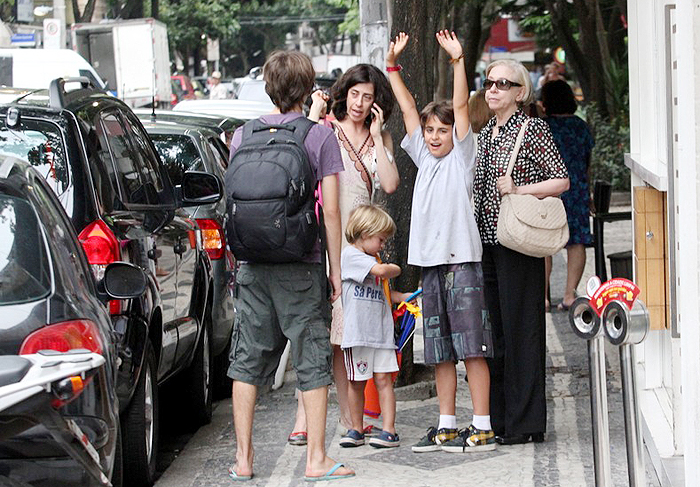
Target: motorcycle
<point>32,389</point>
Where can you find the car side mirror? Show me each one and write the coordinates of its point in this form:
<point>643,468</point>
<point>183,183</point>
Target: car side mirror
<point>198,188</point>
<point>122,281</point>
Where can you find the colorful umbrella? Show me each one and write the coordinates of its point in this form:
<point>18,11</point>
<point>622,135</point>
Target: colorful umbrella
<point>408,319</point>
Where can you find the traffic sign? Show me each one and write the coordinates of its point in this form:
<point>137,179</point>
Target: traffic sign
<point>23,39</point>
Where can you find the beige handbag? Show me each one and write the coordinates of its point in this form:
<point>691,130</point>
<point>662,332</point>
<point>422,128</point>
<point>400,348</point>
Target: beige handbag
<point>527,224</point>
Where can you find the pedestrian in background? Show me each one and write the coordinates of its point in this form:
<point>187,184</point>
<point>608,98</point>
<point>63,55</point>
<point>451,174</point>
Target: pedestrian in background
<point>444,242</point>
<point>514,282</point>
<point>217,91</point>
<point>368,332</point>
<point>575,143</point>
<point>361,101</point>
<point>277,302</point>
<point>479,111</point>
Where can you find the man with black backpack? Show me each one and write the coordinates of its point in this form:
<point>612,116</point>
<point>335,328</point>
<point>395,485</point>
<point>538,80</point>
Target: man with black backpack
<point>273,229</point>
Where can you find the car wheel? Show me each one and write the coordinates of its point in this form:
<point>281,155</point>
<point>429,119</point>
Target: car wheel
<point>199,380</point>
<point>222,382</point>
<point>140,427</point>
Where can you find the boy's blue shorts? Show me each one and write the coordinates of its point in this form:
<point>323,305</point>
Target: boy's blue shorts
<point>456,321</point>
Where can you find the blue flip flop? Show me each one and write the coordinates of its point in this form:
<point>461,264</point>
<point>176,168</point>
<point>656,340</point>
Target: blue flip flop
<point>234,476</point>
<point>329,475</point>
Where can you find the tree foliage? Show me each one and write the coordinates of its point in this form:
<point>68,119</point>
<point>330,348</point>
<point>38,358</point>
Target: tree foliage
<point>248,30</point>
<point>592,33</point>
<point>190,22</point>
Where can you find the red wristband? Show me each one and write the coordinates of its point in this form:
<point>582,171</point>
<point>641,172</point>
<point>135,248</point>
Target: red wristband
<point>391,69</point>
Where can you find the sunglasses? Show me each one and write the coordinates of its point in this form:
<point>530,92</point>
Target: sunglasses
<point>501,84</point>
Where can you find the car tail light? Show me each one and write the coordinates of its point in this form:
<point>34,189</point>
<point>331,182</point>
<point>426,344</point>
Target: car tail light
<point>64,336</point>
<point>101,248</point>
<point>212,238</point>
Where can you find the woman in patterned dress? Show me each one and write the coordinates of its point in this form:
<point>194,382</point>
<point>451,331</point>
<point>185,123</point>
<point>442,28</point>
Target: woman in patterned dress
<point>361,100</point>
<point>575,143</point>
<point>514,282</point>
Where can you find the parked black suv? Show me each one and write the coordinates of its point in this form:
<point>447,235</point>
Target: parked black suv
<point>96,156</point>
<point>49,299</point>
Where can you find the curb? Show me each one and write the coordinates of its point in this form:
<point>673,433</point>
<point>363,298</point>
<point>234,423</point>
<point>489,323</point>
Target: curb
<point>412,392</point>
<point>416,392</point>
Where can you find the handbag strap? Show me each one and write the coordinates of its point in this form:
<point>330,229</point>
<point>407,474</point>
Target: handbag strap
<point>516,147</point>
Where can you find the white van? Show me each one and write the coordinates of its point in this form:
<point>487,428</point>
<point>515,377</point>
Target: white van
<point>36,68</point>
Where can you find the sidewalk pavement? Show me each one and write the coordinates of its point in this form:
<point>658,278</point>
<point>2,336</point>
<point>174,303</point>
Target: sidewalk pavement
<point>564,459</point>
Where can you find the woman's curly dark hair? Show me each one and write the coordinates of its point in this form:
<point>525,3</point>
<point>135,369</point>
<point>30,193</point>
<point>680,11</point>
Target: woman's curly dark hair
<point>362,73</point>
<point>558,98</point>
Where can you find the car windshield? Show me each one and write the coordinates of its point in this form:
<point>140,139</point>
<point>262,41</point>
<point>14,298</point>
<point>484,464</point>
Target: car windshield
<point>41,145</point>
<point>179,154</point>
<point>24,262</point>
<point>253,91</point>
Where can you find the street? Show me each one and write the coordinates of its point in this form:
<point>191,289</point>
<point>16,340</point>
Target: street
<point>565,458</point>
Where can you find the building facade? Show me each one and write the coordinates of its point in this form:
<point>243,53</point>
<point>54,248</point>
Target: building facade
<point>664,69</point>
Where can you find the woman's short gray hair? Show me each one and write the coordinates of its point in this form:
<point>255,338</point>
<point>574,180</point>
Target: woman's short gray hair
<point>520,75</point>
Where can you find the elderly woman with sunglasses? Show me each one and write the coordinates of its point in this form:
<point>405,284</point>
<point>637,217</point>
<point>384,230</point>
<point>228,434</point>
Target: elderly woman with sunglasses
<point>514,282</point>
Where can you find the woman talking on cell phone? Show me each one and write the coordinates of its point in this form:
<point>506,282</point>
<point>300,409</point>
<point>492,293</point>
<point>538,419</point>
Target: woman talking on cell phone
<point>360,102</point>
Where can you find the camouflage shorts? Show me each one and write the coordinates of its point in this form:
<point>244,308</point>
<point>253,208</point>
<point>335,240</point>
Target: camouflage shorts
<point>456,321</point>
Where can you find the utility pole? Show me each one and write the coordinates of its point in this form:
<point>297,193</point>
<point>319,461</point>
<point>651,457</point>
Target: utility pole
<point>374,31</point>
<point>59,12</point>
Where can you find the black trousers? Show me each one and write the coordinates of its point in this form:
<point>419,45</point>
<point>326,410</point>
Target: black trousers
<point>514,289</point>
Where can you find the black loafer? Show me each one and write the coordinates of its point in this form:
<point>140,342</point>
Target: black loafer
<point>520,439</point>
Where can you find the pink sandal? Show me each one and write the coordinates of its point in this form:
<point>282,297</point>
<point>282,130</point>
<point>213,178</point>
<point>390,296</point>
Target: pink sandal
<point>297,438</point>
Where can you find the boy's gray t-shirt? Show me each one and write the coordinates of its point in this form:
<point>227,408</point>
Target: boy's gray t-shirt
<point>366,312</point>
<point>443,227</point>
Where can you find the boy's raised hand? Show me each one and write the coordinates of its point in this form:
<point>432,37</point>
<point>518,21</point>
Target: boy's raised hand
<point>449,42</point>
<point>396,47</point>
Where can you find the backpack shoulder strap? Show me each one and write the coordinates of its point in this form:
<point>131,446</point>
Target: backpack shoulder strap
<point>302,127</point>
<point>248,129</point>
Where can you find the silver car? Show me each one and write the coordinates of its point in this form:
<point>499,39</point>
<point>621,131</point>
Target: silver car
<point>186,148</point>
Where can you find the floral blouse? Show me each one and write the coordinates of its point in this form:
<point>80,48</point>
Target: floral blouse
<point>538,160</point>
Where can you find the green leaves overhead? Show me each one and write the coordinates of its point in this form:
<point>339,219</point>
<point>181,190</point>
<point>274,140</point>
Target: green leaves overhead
<point>189,20</point>
<point>248,30</point>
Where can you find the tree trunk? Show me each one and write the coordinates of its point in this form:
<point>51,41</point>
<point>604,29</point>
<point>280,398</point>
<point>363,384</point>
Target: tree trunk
<point>197,57</point>
<point>86,16</point>
<point>418,18</point>
<point>132,9</point>
<point>444,81</point>
<point>474,38</point>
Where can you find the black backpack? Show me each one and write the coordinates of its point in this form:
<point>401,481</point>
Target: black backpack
<point>270,196</point>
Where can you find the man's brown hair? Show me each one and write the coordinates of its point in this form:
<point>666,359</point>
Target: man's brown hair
<point>289,78</point>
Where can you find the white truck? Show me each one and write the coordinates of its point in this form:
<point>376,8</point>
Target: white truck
<point>36,68</point>
<point>132,56</point>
